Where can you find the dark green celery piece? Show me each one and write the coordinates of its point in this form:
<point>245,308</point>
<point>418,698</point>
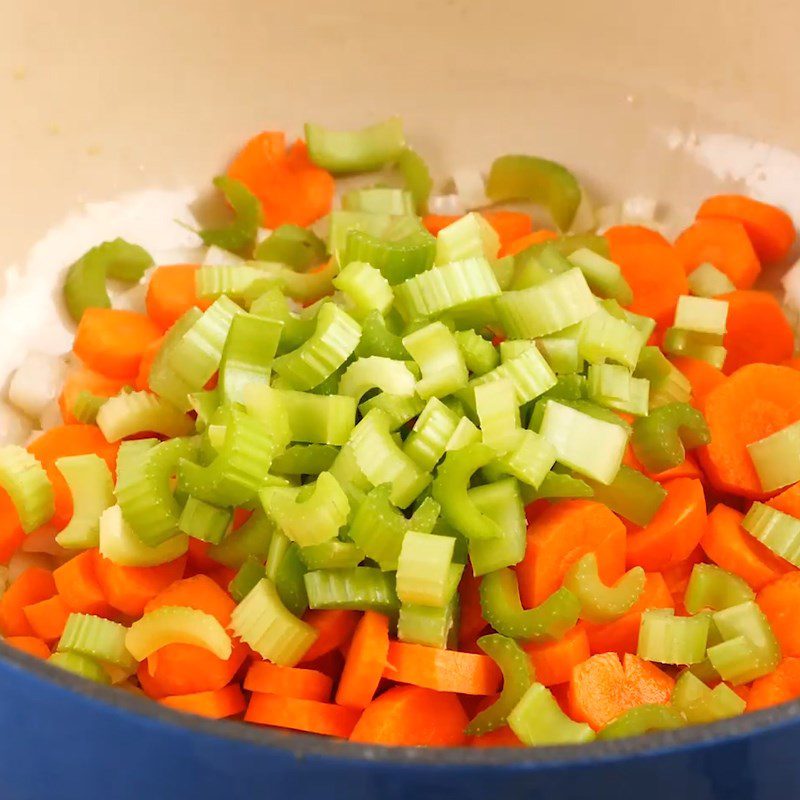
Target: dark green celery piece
<point>305,459</point>
<point>397,259</point>
<point>647,718</point>
<point>355,589</point>
<point>417,178</point>
<point>251,539</point>
<point>515,664</point>
<point>503,610</point>
<point>86,407</point>
<point>333,554</point>
<point>631,495</point>
<point>518,177</point>
<point>297,329</point>
<point>249,574</point>
<point>652,365</point>
<point>331,384</point>
<point>298,248</point>
<point>661,439</point>
<point>501,502</point>
<point>240,236</point>
<point>285,568</point>
<point>378,340</point>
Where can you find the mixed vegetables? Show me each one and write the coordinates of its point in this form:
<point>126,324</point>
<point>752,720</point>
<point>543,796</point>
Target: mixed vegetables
<point>426,479</point>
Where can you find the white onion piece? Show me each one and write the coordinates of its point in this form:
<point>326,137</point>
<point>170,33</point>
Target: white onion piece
<point>14,426</point>
<point>607,216</point>
<point>639,208</point>
<point>446,204</point>
<point>217,257</point>
<point>791,297</point>
<point>471,189</point>
<point>51,416</point>
<point>132,299</point>
<point>37,383</point>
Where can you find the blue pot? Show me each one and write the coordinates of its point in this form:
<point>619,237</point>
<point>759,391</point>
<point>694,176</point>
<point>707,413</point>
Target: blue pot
<point>66,739</point>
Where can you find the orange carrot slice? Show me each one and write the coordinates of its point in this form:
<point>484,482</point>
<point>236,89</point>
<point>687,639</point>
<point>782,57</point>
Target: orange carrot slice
<point>365,662</point>
<point>310,716</point>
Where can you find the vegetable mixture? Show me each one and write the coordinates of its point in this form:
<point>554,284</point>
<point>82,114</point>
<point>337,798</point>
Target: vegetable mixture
<point>425,479</point>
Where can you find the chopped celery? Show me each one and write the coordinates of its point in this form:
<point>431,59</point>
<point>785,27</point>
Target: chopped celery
<point>333,554</point>
<point>375,372</point>
<point>601,603</point>
<point>561,354</point>
<point>86,407</point>
<point>120,545</point>
<point>247,357</point>
<point>423,569</point>
<point>479,354</point>
<point>428,439</point>
<point>130,413</point>
<point>365,288</point>
<point>667,383</point>
<point>668,639</point>
<point>603,276</point>
<point>92,489</point>
<point>400,410</point>
<point>701,315</point>
<point>711,587</point>
<point>427,625</point>
<point>503,269</point>
<point>604,337</point>
<point>163,380</point>
<point>528,372</point>
<point>240,236</point>
<point>417,178</point>
<point>699,704</point>
<point>435,350</point>
<point>465,433</point>
<point>661,439</point>
<point>97,638</point>
<point>298,248</point>
<point>557,485</point>
<point>28,486</point>
<point>363,150</point>
<point>538,720</point>
<point>397,257</point>
<point>203,521</point>
<point>357,589</point>
<point>79,665</point>
<point>204,404</point>
<point>778,531</point>
<point>530,459</point>
<point>251,539</point>
<point>707,281</point>
<point>539,266</point>
<point>703,346</point>
<point>613,386</point>
<point>378,340</point>
<point>379,200</point>
<point>239,282</point>
<point>501,502</point>
<point>631,495</point>
<point>247,576</point>
<point>498,414</point>
<point>297,328</point>
<point>177,625</point>
<point>470,236</point>
<point>304,459</point>
<point>777,458</point>
<point>287,570</point>
<point>642,719</point>
<point>644,325</point>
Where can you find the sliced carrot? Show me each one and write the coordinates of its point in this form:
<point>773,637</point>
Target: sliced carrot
<point>723,243</point>
<point>651,267</point>
<point>47,618</point>
<point>703,376</point>
<point>309,716</point>
<point>199,592</point>
<point>308,684</point>
<point>82,379</point>
<point>331,664</point>
<point>780,686</point>
<point>757,400</point>
<point>69,440</point>
<point>779,601</point>
<point>510,226</point>
<point>77,584</point>
<point>436,222</point>
<point>32,586</point>
<point>553,661</point>
<point>602,687</point>
<point>30,645</point>
<point>674,531</point>
<point>226,702</point>
<point>264,149</point>
<point>677,576</point>
<point>757,330</point>
<point>793,363</point>
<point>142,382</point>
<point>410,716</point>
<point>365,662</point>
<point>787,501</point>
<point>11,533</point>
<point>171,292</point>
<point>471,622</point>
<point>622,635</point>
<point>441,670</point>
<point>112,341</point>
<point>334,628</point>
<point>524,242</point>
<point>729,546</point>
<point>559,537</point>
<point>769,228</point>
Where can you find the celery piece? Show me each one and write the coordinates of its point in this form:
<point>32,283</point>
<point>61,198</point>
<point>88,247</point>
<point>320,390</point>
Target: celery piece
<point>631,495</point>
<point>264,623</point>
<point>661,439</point>
<point>177,625</point>
<point>379,200</point>
<point>130,413</point>
<point>356,589</point>
<point>375,372</point>
<point>613,386</point>
<point>297,247</point>
<point>520,177</point>
<point>248,354</point>
<point>203,521</point>
<point>517,671</point>
<point>603,337</point>
<point>28,486</point>
<point>239,282</point>
<point>287,570</point>
<point>528,372</point>
<point>601,603</point>
<point>436,351</point>
<point>247,576</point>
<point>163,380</point>
<point>365,288</point>
<point>398,409</point>
<point>204,404</point>
<point>427,625</point>
<point>501,502</point>
<point>503,269</point>
<point>97,638</point>
<point>711,587</point>
<point>273,305</point>
<point>363,150</point>
<point>423,569</point>
<point>701,315</point>
<point>470,236</point>
<point>778,531</point>
<point>417,178</point>
<point>667,383</point>
<point>561,354</point>
<point>401,250</point>
<point>502,609</point>
<point>558,486</point>
<point>82,666</point>
<point>240,236</point>
<point>668,639</point>
<point>603,276</point>
<point>432,431</point>
<point>539,266</point>
<point>465,433</point>
<point>707,281</point>
<point>251,539</point>
<point>703,346</point>
<point>92,489</point>
<point>699,704</point>
<point>538,720</point>
<point>512,348</point>
<point>777,458</point>
<point>120,545</point>
<point>644,325</point>
<point>498,414</point>
<point>642,719</point>
<point>86,407</point>
<point>304,459</point>
<point>479,354</point>
<point>333,554</point>
<point>530,459</point>
<point>378,340</point>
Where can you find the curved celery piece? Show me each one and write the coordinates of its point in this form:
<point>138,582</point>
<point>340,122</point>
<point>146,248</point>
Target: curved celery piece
<point>356,151</point>
<point>130,413</point>
<point>203,521</point>
<point>248,354</point>
<point>537,720</point>
<point>85,284</point>
<point>539,266</point>
<point>647,718</point>
<point>427,625</point>
<point>603,276</point>
<point>644,325</point>
<point>417,178</point>
<point>446,288</point>
<point>470,236</point>
<point>304,459</point>
<point>374,372</point>
<point>423,569</point>
<point>378,340</point>
<point>501,502</point>
<point>163,380</point>
<point>603,338</point>
<point>480,355</point>
<point>699,704</point>
<point>144,491</point>
<point>397,258</point>
<point>517,671</point>
<point>264,623</point>
<point>286,570</point>
<point>660,440</point>
<point>297,247</point>
<point>333,554</point>
<point>707,281</point>
<point>432,431</point>
<point>304,287</point>
<point>436,351</point>
<point>557,485</point>
<point>711,587</point>
<point>120,545</point>
<point>238,282</point>
<point>177,625</point>
<point>601,603</point>
<point>530,459</point>
<point>248,575</point>
<point>314,520</point>
<point>97,638</point>
<point>547,183</point>
<point>333,341</point>
<point>498,414</point>
<point>381,460</point>
<point>92,489</point>
<point>252,538</point>
<point>778,531</point>
<point>365,288</point>
<point>379,200</point>
<point>238,472</point>
<point>502,609</point>
<point>240,236</point>
<point>356,589</point>
<point>631,495</point>
<point>668,639</point>
<point>667,383</point>
<point>692,344</point>
<point>82,666</point>
<point>28,486</point>
<point>777,458</point>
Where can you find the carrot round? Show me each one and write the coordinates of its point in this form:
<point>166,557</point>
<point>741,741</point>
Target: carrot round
<point>334,628</point>
<point>651,267</point>
<point>365,662</point>
<point>779,601</point>
<point>77,584</point>
<point>723,243</point>
<point>553,661</point>
<point>308,684</point>
<point>47,618</point>
<point>780,686</point>
<point>756,401</point>
<point>30,645</point>
<point>11,533</point>
<point>770,229</point>
<point>171,292</point>
<point>787,501</point>
<point>112,341</point>
<point>32,586</point>
<point>82,379</point>
<point>309,716</point>
<point>411,716</point>
<point>729,546</point>
<point>219,704</point>
<point>674,531</point>
<point>602,687</point>
<point>703,376</point>
<point>524,242</point>
<point>559,536</point>
<point>757,330</point>
<point>441,670</point>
